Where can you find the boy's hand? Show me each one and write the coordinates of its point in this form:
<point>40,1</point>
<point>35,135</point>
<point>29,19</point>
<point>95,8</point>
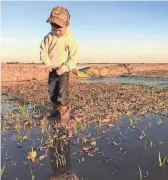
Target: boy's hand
<point>60,71</point>
<point>49,69</point>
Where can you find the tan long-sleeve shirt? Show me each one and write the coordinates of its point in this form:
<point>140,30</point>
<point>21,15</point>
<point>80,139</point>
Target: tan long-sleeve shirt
<point>58,52</point>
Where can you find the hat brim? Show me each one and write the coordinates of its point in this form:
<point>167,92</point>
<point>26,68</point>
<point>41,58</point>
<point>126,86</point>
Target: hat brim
<point>48,20</point>
<point>56,21</point>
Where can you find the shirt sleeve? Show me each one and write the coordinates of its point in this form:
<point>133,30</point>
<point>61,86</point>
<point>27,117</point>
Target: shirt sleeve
<point>44,46</point>
<point>72,58</point>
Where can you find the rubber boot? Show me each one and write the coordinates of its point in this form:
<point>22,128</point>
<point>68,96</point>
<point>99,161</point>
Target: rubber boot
<point>64,115</point>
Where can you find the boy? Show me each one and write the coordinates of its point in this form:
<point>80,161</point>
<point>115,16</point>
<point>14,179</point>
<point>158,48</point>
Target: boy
<point>59,50</point>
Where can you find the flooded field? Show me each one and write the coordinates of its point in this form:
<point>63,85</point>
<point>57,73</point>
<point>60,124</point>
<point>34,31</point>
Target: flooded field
<point>118,132</point>
<point>153,82</point>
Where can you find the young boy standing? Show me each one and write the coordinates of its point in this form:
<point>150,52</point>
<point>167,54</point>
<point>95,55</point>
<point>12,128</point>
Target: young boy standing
<point>59,50</point>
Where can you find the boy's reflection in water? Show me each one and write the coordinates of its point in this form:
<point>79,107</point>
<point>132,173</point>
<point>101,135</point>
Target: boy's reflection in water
<point>60,155</point>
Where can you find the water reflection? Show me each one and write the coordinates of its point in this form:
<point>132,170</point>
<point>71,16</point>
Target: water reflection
<point>60,155</point>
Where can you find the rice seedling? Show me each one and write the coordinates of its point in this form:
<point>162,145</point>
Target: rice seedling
<point>161,142</point>
<point>32,175</point>
<point>160,122</point>
<point>2,170</point>
<point>41,141</point>
<point>140,173</point>
<point>18,134</point>
<point>44,125</point>
<point>34,108</point>
<point>151,144</point>
<point>84,140</point>
<point>4,127</point>
<point>129,113</point>
<point>80,126</point>
<point>146,127</point>
<point>59,160</point>
<point>160,162</point>
<point>100,122</point>
<point>131,122</point>
<point>153,116</point>
<point>145,144</point>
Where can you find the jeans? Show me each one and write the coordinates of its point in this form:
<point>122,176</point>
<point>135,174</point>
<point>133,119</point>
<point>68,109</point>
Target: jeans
<point>58,87</point>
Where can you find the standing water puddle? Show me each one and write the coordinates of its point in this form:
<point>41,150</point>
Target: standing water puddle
<point>161,82</point>
<point>130,149</point>
<point>122,151</point>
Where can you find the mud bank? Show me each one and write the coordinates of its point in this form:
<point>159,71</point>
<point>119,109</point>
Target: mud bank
<point>22,72</point>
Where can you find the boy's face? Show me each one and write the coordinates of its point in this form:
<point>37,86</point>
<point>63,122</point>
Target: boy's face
<point>59,31</point>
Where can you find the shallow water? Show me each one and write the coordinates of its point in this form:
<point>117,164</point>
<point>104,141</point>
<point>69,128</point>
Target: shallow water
<point>119,162</point>
<point>24,108</point>
<point>154,82</point>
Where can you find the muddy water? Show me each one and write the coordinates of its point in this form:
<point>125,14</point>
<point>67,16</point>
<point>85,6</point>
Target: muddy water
<point>161,82</point>
<point>120,152</point>
<point>121,162</point>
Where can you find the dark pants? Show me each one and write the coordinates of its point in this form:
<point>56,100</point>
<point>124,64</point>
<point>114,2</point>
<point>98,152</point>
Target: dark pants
<point>58,87</point>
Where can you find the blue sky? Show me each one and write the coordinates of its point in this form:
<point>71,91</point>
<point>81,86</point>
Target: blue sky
<point>105,31</point>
